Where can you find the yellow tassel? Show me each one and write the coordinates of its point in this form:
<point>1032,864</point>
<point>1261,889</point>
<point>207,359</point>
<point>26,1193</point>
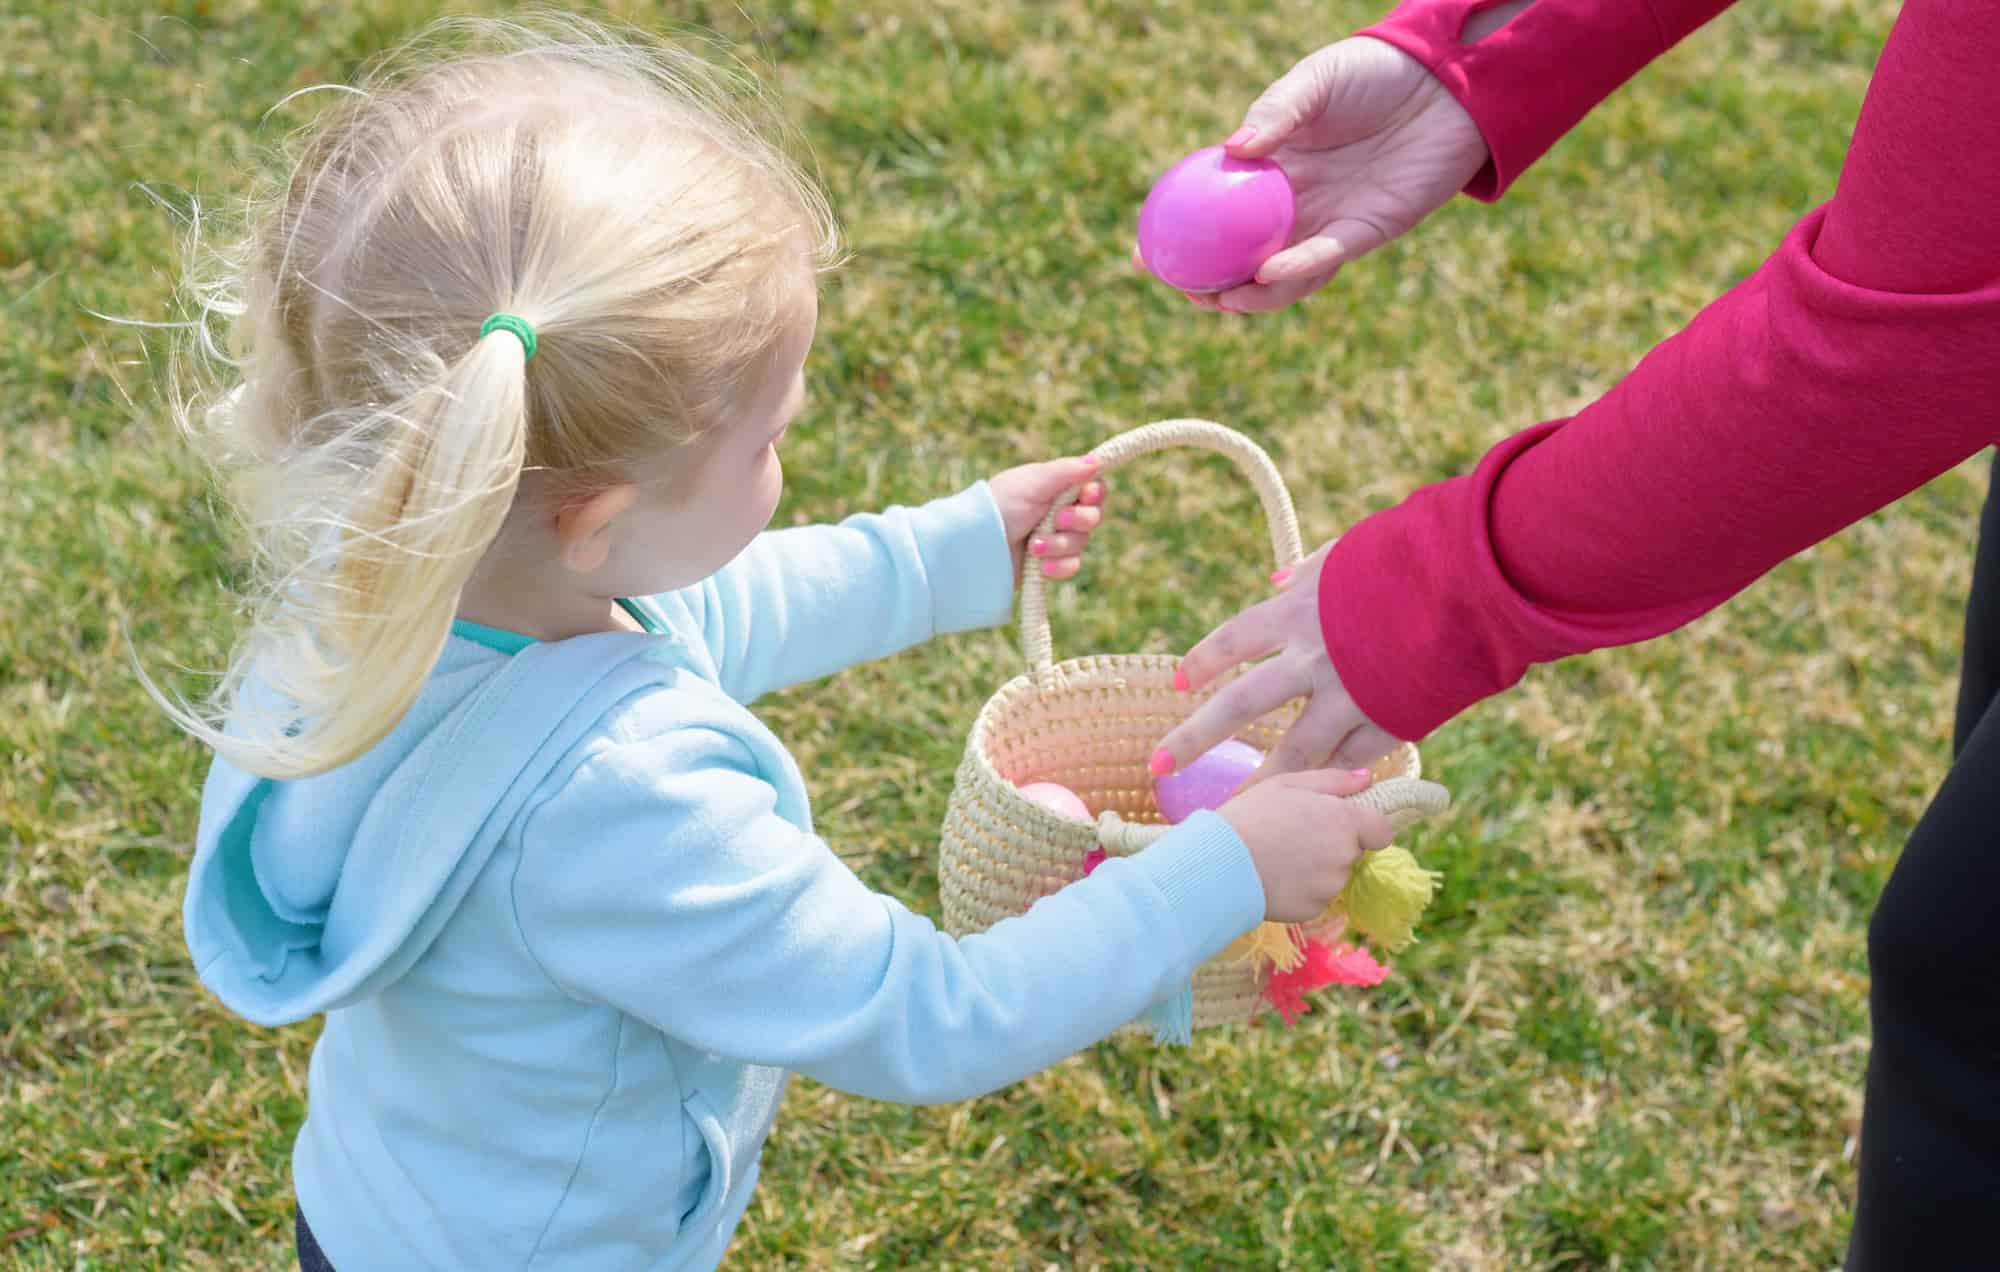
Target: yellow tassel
<point>1385,895</point>
<point>1273,943</point>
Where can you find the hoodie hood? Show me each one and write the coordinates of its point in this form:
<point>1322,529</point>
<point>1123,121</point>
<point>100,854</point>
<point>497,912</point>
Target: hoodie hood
<point>305,896</point>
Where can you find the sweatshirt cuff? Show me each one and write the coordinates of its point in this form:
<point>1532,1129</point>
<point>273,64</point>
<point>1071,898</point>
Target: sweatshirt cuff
<point>1204,871</point>
<point>1531,81</point>
<point>963,543</point>
<point>1420,619</point>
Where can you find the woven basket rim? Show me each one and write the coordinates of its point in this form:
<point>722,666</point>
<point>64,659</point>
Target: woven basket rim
<point>1029,683</point>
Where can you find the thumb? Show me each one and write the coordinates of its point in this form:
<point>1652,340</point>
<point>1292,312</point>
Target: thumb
<point>1296,98</point>
<point>1048,480</point>
<point>1332,781</point>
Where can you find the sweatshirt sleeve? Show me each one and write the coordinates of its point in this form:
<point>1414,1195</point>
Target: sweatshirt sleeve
<point>663,880</point>
<point>803,603</point>
<point>1531,81</point>
<point>1860,361</point>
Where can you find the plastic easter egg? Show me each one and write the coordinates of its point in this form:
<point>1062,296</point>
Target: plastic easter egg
<point>1212,220</point>
<point>1058,799</point>
<point>1208,781</point>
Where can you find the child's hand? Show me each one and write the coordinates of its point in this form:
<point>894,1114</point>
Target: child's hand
<point>1304,838</point>
<point>1026,494</point>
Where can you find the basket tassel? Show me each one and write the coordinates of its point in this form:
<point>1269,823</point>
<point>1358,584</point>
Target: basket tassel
<point>1386,893</point>
<point>1172,1018</point>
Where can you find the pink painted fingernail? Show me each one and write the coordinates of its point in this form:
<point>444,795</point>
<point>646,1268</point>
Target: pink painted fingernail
<point>1066,520</point>
<point>1049,570</point>
<point>1241,137</point>
<point>1280,576</point>
<point>1181,684</point>
<point>1162,762</point>
<point>1361,772</point>
<point>1093,461</point>
<point>1038,546</point>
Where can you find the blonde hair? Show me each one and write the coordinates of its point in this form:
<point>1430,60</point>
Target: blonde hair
<point>627,199</point>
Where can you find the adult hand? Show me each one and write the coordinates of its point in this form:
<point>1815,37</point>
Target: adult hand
<point>1371,142</point>
<point>1331,729</point>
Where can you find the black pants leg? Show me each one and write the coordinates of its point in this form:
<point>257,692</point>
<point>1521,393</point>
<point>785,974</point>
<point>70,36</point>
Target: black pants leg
<point>1980,683</point>
<point>311,1257</point>
<point>1929,1195</point>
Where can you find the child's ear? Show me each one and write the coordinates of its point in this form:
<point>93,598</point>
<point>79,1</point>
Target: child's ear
<point>583,527</point>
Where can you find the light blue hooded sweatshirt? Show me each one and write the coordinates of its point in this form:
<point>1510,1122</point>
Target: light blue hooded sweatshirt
<point>570,925</point>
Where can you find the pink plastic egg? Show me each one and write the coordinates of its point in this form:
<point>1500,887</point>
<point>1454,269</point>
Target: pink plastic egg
<point>1212,220</point>
<point>1208,781</point>
<point>1060,800</point>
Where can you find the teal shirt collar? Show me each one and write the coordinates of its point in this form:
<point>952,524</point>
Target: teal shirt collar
<point>511,643</point>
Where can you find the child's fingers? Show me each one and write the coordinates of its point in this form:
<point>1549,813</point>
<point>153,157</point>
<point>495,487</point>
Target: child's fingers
<point>1091,494</point>
<point>1079,517</point>
<point>1054,546</point>
<point>1061,567</point>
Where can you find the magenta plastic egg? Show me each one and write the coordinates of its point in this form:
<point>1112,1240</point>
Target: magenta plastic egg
<point>1212,220</point>
<point>1058,799</point>
<point>1208,781</point>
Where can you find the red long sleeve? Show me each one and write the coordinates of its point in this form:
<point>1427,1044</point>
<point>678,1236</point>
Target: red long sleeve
<point>1861,360</point>
<point>1529,82</point>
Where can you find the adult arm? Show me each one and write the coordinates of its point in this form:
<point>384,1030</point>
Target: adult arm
<point>1529,80</point>
<point>1861,360</point>
<point>1378,131</point>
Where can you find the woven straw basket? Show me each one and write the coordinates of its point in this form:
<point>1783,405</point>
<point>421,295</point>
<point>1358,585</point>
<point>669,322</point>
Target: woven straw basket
<point>1089,724</point>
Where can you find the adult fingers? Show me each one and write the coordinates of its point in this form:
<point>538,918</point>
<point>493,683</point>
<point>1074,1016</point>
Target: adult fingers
<point>1251,634</point>
<point>1364,745</point>
<point>1240,702</point>
<point>1293,99</point>
<point>1323,253</point>
<point>1317,734</point>
<point>1258,298</point>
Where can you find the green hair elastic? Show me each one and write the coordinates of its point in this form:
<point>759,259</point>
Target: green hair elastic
<point>518,326</point>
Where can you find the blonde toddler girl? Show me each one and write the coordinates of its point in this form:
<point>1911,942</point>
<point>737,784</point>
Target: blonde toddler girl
<point>519,339</point>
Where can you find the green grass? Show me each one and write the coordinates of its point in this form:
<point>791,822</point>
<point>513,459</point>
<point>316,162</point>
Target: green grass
<point>1635,1032</point>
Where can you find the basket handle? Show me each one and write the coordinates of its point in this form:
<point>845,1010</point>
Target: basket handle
<point>1249,457</point>
<point>1403,800</point>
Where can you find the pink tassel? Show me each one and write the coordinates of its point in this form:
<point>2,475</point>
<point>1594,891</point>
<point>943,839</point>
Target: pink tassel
<point>1354,965</point>
<point>1321,966</point>
<point>1289,1002</point>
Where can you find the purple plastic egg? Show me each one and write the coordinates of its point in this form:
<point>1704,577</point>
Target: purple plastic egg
<point>1060,800</point>
<point>1212,220</point>
<point>1208,781</point>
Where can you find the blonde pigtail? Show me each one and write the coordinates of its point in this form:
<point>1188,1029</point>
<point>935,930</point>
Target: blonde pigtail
<point>344,646</point>
<point>372,432</point>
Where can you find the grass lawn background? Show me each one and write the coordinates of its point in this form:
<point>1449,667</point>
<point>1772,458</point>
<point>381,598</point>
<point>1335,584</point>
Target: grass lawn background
<point>1635,1031</point>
